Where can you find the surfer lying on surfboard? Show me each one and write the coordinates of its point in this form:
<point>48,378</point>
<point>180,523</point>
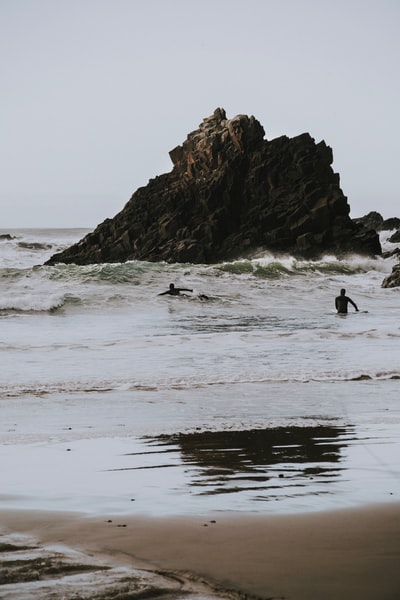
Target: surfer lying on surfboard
<point>173,291</point>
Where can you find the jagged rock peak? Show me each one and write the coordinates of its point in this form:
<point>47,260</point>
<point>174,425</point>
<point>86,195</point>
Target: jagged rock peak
<point>232,193</point>
<point>216,140</point>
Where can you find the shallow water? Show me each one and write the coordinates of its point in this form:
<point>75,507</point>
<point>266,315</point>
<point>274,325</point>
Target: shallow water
<point>259,399</point>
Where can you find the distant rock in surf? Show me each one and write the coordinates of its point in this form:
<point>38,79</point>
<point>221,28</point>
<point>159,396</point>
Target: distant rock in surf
<point>232,193</point>
<point>374,220</point>
<point>392,280</point>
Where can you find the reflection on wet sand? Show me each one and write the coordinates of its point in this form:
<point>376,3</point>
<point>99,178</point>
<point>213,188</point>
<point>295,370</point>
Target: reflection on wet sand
<point>263,463</point>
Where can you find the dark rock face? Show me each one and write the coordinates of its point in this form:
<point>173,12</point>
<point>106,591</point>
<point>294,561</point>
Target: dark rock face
<point>374,220</point>
<point>395,238</point>
<point>391,253</point>
<point>392,223</point>
<point>392,280</point>
<point>232,193</point>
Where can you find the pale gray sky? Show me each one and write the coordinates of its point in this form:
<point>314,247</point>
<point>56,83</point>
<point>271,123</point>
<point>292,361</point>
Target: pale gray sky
<point>94,94</point>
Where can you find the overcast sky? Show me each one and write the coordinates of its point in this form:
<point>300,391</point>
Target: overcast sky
<point>94,94</point>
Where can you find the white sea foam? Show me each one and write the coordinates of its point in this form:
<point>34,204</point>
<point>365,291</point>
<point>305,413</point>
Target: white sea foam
<point>27,303</point>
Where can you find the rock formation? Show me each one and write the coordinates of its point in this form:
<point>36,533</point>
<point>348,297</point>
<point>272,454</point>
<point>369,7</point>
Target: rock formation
<point>374,220</point>
<point>232,193</point>
<point>392,280</point>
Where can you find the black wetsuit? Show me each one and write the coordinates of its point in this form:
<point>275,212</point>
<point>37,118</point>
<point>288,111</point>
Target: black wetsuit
<point>173,291</point>
<point>341,303</point>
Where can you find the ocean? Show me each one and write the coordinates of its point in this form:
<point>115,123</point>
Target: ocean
<point>258,398</point>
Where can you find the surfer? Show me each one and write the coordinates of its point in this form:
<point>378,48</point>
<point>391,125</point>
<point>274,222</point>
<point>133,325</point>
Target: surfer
<point>342,301</point>
<point>173,291</point>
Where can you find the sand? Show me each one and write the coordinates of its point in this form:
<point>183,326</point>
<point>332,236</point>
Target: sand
<point>347,554</point>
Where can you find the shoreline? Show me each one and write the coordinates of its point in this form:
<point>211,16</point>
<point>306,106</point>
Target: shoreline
<point>348,553</point>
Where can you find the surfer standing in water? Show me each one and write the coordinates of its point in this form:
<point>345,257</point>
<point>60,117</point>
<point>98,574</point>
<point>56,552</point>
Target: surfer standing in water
<point>342,301</point>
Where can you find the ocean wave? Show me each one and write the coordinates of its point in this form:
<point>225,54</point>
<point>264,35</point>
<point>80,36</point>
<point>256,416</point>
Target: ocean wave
<point>272,270</point>
<point>43,390</point>
<point>266,266</point>
<point>277,378</point>
<point>29,247</point>
<point>34,246</point>
<point>271,267</point>
<point>55,389</point>
<point>128,272</point>
<point>27,303</point>
<point>10,273</point>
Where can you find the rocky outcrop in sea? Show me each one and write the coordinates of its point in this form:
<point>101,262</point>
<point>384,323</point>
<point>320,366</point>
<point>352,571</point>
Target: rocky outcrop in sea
<point>374,220</point>
<point>231,193</point>
<point>392,280</point>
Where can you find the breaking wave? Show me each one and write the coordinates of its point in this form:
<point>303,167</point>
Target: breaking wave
<point>28,303</point>
<point>271,267</point>
<point>190,384</point>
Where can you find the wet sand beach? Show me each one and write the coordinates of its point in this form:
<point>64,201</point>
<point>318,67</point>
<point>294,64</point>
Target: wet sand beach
<point>259,513</point>
<point>202,515</point>
<point>352,553</point>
